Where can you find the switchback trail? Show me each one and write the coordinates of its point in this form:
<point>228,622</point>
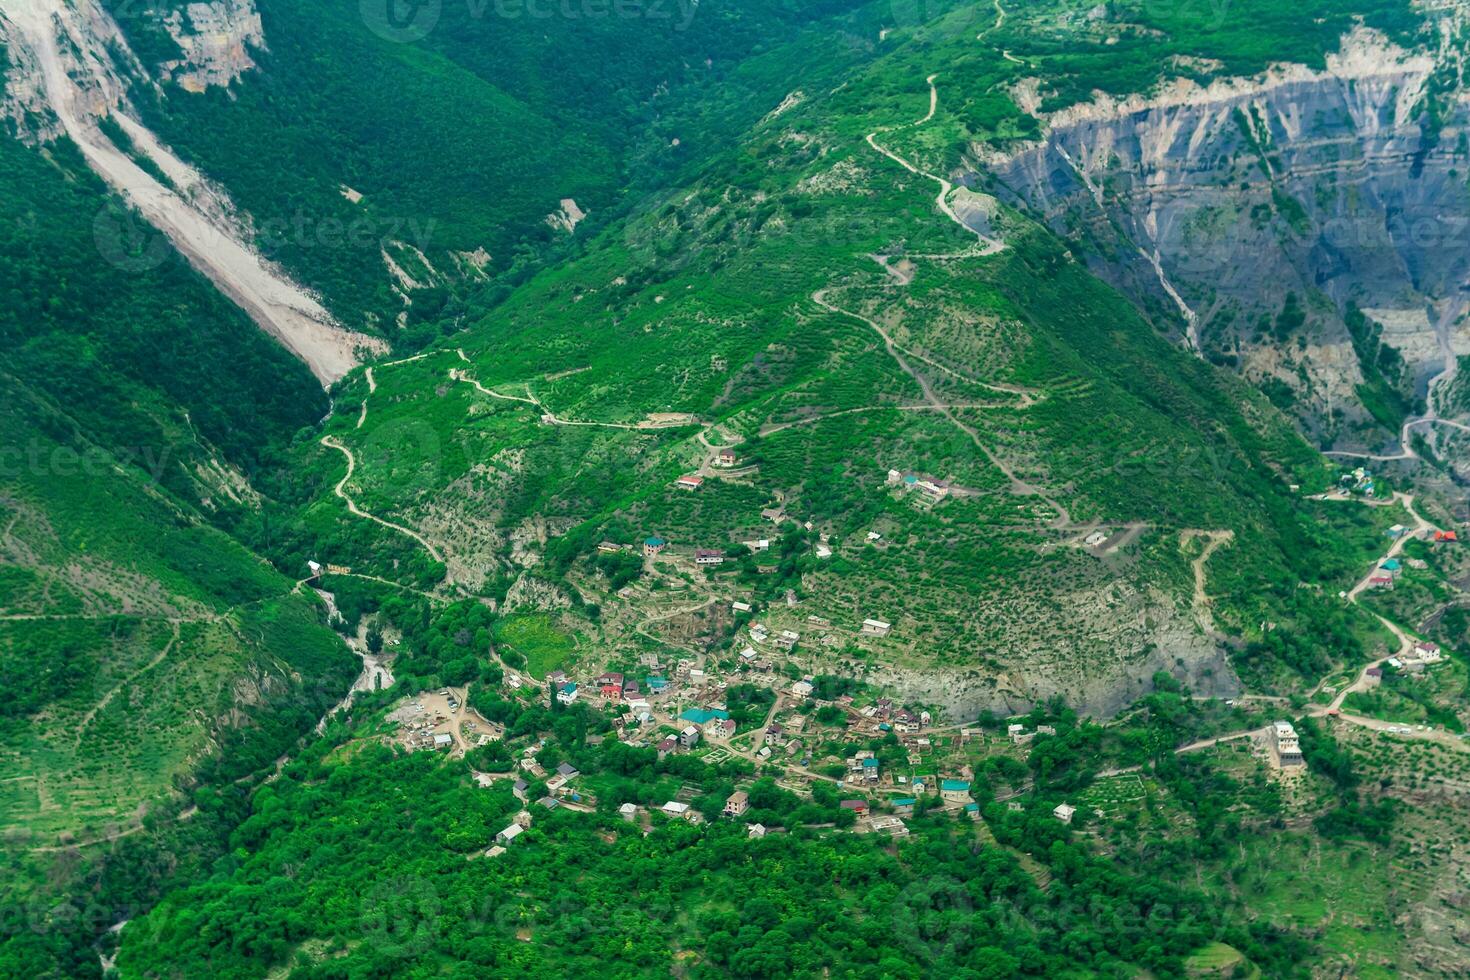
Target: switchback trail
<point>331,443</point>
<point>1019,487</point>
<point>984,244</point>
<point>547,416</point>
<point>1360,682</point>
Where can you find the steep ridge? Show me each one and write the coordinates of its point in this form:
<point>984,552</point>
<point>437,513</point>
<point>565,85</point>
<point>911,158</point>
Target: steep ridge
<point>70,66</point>
<point>1267,212</point>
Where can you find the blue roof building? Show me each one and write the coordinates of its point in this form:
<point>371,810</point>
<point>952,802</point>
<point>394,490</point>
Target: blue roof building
<point>700,716</point>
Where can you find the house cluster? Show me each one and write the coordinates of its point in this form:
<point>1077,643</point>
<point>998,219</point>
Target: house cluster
<point>1019,736</point>
<point>781,639</point>
<point>1358,481</point>
<point>519,825</point>
<point>636,697</point>
<point>560,786</point>
<point>1425,653</point>
<point>928,490</point>
<point>1386,574</point>
<point>714,722</point>
<point>653,546</point>
<point>863,769</point>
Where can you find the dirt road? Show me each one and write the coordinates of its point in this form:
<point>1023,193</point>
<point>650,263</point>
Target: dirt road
<point>1361,681</point>
<point>986,245</point>
<point>331,443</point>
<point>1019,487</point>
<point>1214,540</point>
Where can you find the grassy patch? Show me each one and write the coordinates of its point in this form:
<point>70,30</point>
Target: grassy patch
<point>535,637</point>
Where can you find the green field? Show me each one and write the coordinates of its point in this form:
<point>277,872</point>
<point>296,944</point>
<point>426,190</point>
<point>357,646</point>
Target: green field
<point>544,647</point>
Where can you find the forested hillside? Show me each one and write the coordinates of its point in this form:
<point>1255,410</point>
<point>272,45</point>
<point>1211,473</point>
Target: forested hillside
<point>144,652</point>
<point>462,145</point>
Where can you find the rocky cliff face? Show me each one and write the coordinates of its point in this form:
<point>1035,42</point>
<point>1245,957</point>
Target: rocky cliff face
<point>69,67</point>
<point>1251,215</point>
<point>216,40</point>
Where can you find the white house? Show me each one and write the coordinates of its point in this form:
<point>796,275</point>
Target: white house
<point>1427,651</point>
<point>509,833</point>
<point>721,728</point>
<point>675,809</point>
<point>875,627</point>
<point>1064,812</point>
<point>1288,747</point>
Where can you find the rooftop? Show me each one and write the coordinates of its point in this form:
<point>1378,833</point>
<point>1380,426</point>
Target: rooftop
<point>700,716</point>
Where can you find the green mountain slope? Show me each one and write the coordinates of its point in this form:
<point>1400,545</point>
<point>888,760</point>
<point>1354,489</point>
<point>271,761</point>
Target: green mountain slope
<point>144,652</point>
<point>751,302</point>
<point>935,417</point>
<point>469,140</point>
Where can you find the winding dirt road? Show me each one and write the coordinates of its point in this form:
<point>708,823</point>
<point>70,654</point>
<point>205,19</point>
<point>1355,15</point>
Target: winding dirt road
<point>1360,682</point>
<point>1214,540</point>
<point>985,244</point>
<point>331,443</point>
<point>1019,487</point>
<point>1442,328</point>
